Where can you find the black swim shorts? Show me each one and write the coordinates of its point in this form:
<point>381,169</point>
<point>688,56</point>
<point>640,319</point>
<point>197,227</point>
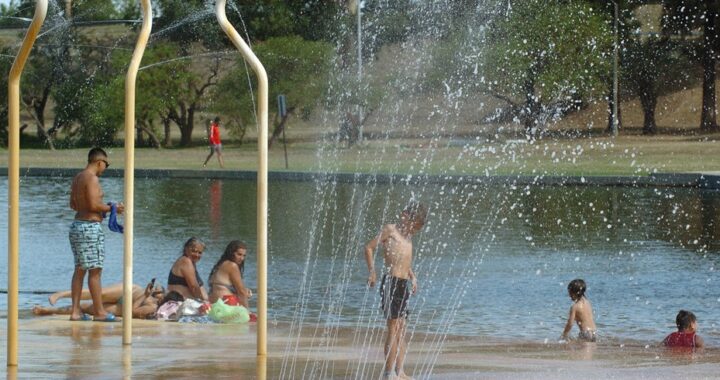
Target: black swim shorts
<point>394,295</point>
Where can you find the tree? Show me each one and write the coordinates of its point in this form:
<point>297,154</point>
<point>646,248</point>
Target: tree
<point>193,21</point>
<point>545,58</point>
<point>159,84</point>
<point>626,24</point>
<point>93,10</point>
<point>6,60</point>
<point>129,10</point>
<point>188,22</point>
<point>9,14</point>
<point>48,66</point>
<point>297,68</point>
<point>158,87</point>
<point>682,17</point>
<point>192,88</point>
<point>653,66</point>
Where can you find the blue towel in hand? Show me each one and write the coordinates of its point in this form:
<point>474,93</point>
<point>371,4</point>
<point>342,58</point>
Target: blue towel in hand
<point>112,221</point>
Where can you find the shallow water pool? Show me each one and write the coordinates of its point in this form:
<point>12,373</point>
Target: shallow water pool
<point>491,261</point>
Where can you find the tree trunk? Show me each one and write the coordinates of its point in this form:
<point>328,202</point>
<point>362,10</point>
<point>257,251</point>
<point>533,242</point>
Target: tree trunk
<point>186,122</point>
<point>154,141</point>
<point>185,135</point>
<point>181,120</point>
<point>648,99</point>
<point>610,111</point>
<point>37,114</point>
<point>167,142</point>
<point>532,107</point>
<point>708,119</point>
<point>139,136</point>
<point>190,123</point>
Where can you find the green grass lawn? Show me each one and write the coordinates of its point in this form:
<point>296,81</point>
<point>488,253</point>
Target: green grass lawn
<point>624,155</point>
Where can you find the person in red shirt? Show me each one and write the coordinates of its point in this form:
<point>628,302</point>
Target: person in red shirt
<point>215,144</point>
<point>686,335</point>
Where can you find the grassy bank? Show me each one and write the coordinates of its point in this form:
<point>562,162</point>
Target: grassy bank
<point>623,155</point>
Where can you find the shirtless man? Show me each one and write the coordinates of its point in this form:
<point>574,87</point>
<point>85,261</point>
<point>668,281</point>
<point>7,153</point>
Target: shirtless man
<point>87,238</point>
<point>398,282</point>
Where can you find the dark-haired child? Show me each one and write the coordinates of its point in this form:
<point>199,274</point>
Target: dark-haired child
<point>686,336</point>
<point>580,312</point>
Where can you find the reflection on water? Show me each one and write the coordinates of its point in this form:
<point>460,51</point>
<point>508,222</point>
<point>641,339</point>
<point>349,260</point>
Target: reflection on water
<point>127,361</point>
<point>84,339</point>
<point>491,261</point>
<point>261,367</point>
<point>12,372</point>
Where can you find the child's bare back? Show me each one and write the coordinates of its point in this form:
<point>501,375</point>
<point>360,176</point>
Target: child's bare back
<point>584,317</point>
<point>580,312</point>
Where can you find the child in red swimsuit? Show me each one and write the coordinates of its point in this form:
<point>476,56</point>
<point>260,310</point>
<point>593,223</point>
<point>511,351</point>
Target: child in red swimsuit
<point>686,336</point>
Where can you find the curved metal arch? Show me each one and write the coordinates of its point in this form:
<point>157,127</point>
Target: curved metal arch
<point>262,172</point>
<point>14,177</point>
<point>129,196</point>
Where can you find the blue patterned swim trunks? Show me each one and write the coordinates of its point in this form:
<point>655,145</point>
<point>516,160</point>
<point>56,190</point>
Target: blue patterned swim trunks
<point>87,241</point>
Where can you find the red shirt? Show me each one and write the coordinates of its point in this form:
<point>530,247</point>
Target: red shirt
<point>680,339</point>
<point>214,134</point>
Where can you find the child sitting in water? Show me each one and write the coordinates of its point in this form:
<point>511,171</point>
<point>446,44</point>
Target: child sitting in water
<point>580,311</point>
<point>686,335</point>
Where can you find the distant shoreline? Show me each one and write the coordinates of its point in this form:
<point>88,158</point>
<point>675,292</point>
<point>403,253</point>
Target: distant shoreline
<point>689,180</point>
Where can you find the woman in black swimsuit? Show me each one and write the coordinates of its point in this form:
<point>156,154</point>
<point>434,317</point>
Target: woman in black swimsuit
<point>184,277</point>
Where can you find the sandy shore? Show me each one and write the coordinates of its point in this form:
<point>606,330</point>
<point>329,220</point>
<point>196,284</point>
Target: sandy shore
<point>52,347</point>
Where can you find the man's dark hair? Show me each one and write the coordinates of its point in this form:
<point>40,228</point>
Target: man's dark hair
<point>217,119</point>
<point>96,154</point>
<point>684,319</point>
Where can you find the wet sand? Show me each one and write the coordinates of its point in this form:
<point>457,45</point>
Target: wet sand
<point>52,347</point>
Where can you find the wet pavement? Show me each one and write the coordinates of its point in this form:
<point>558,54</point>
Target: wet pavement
<point>52,347</point>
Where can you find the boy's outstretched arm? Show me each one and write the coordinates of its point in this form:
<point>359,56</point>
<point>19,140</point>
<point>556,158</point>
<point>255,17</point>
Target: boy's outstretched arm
<point>569,324</point>
<point>370,248</point>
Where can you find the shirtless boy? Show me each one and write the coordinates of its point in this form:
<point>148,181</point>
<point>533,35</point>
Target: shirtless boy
<point>87,238</point>
<point>398,282</point>
<point>580,312</point>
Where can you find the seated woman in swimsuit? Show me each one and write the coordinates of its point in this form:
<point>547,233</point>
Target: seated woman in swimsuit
<point>184,277</point>
<point>145,301</point>
<point>226,280</point>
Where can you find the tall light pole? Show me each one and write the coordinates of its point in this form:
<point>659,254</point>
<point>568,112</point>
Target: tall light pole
<point>356,6</point>
<point>359,38</point>
<point>615,122</point>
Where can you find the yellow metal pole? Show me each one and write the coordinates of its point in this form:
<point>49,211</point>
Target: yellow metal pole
<point>261,367</point>
<point>14,178</point>
<point>262,173</point>
<point>130,167</point>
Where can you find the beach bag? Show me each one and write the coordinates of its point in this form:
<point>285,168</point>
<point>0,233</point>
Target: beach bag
<point>190,307</point>
<point>168,311</point>
<point>223,313</point>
